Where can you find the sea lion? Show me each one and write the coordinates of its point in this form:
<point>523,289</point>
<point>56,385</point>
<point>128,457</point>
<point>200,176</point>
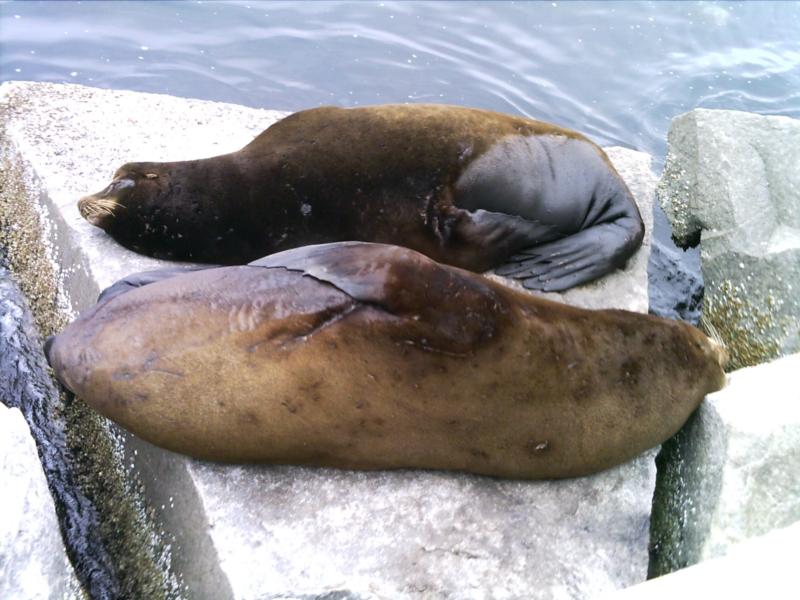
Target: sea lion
<point>471,188</point>
<point>369,356</point>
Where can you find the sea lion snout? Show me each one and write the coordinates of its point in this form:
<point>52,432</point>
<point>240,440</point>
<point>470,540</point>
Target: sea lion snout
<point>100,208</point>
<point>721,353</point>
<point>87,206</point>
<point>52,352</point>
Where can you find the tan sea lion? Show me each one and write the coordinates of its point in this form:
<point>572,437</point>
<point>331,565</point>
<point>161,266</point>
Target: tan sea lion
<point>471,188</point>
<point>369,356</point>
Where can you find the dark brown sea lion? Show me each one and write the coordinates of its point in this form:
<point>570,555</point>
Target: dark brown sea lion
<point>369,356</point>
<point>470,188</point>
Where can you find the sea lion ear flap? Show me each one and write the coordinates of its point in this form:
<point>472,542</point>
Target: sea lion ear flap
<point>151,175</point>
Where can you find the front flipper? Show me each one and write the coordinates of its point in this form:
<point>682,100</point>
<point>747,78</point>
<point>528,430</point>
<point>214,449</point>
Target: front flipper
<point>137,280</point>
<point>573,260</point>
<point>482,239</point>
<point>418,293</point>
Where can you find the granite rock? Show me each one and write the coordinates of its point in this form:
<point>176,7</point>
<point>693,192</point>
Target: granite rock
<point>731,181</point>
<point>33,560</point>
<point>732,471</point>
<point>762,567</point>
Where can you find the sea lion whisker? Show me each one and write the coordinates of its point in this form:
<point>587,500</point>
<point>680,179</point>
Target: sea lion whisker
<point>93,211</point>
<point>99,206</point>
<point>107,203</point>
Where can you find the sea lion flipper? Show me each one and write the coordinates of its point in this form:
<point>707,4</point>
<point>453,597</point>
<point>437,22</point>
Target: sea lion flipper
<point>493,236</point>
<point>137,280</point>
<point>573,260</point>
<point>408,285</point>
<point>380,274</point>
<point>357,273</point>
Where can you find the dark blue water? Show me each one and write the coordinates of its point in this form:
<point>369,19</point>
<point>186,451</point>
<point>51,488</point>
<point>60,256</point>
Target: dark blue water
<point>616,71</point>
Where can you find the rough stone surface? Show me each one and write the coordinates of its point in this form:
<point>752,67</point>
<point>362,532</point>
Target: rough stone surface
<point>277,532</point>
<point>33,561</point>
<point>675,283</point>
<point>763,567</point>
<point>732,472</point>
<point>732,180</point>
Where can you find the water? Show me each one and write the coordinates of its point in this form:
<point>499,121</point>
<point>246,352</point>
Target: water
<point>615,71</point>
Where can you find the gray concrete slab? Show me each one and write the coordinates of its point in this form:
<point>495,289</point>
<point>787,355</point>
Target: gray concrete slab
<point>281,532</point>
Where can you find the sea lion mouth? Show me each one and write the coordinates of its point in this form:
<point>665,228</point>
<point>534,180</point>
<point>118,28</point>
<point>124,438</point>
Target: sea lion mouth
<point>98,211</point>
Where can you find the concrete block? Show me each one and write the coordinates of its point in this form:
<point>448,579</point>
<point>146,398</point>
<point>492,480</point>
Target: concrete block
<point>763,567</point>
<point>280,532</point>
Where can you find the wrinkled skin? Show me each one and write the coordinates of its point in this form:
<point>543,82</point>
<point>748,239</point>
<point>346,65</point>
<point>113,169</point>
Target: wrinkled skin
<point>368,356</point>
<point>471,188</point>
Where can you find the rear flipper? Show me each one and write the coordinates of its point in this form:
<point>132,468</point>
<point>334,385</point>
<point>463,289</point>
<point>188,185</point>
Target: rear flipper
<point>573,260</point>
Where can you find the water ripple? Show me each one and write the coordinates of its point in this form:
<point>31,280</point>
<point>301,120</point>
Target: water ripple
<point>616,71</point>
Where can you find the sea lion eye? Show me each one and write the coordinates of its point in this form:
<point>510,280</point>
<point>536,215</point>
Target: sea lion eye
<point>151,175</point>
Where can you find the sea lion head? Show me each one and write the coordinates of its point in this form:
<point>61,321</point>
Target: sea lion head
<point>144,208</point>
<point>133,187</point>
<point>182,210</point>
